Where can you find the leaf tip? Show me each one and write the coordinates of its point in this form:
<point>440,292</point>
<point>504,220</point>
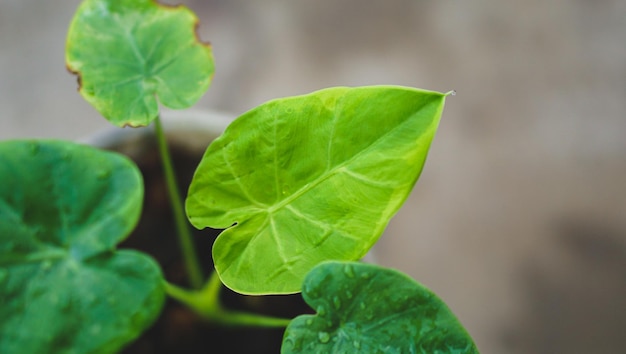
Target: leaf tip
<point>451,93</point>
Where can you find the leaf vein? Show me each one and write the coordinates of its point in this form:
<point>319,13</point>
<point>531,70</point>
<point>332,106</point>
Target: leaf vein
<point>279,246</point>
<point>276,181</point>
<point>240,185</point>
<point>366,179</point>
<point>308,187</point>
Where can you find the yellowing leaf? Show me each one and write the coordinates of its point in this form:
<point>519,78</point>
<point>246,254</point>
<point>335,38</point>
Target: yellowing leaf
<point>129,52</point>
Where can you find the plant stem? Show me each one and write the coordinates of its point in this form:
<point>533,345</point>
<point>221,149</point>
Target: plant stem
<point>206,303</point>
<point>184,236</point>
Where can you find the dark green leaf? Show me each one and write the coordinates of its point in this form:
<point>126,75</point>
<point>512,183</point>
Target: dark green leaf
<point>64,288</point>
<point>128,52</point>
<point>308,179</point>
<point>363,308</point>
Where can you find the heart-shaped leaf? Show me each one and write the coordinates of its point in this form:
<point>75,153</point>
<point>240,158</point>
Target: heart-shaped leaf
<point>128,52</point>
<point>64,287</point>
<point>363,308</point>
<point>308,179</point>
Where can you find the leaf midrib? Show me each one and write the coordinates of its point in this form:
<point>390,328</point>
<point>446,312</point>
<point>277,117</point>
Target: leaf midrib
<point>339,167</point>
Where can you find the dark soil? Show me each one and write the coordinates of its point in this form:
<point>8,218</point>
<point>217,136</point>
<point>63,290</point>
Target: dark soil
<point>178,330</point>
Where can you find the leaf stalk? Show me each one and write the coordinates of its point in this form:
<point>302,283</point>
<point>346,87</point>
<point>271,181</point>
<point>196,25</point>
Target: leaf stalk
<point>206,303</point>
<point>185,240</point>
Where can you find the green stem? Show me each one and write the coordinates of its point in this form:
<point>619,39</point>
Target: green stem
<point>184,236</point>
<point>206,303</point>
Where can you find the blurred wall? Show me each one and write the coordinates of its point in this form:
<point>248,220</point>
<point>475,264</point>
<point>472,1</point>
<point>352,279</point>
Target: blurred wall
<point>519,219</point>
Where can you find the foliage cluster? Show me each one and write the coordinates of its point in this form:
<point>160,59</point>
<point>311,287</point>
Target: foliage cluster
<point>302,186</point>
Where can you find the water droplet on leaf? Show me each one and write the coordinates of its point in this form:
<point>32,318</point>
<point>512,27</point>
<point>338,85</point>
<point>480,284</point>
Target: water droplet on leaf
<point>312,291</point>
<point>288,342</point>
<point>104,174</point>
<point>324,337</point>
<point>349,271</point>
<point>297,344</point>
<point>321,310</point>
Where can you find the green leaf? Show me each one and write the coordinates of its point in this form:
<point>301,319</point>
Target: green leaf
<point>363,308</point>
<point>128,52</point>
<point>64,288</point>
<point>308,179</point>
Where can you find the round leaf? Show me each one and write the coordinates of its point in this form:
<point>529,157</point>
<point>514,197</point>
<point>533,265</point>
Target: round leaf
<point>128,52</point>
<point>308,179</point>
<point>363,308</point>
<point>64,288</point>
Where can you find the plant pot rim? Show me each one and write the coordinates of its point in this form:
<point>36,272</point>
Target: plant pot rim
<point>191,128</point>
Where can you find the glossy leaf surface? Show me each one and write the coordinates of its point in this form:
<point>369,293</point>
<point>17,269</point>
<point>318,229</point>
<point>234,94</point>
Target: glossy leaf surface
<point>308,179</point>
<point>129,52</point>
<point>64,288</point>
<point>363,308</point>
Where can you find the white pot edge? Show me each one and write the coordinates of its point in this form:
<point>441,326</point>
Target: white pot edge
<point>199,126</point>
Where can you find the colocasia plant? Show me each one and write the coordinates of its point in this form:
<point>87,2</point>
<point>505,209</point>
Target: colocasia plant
<point>302,186</point>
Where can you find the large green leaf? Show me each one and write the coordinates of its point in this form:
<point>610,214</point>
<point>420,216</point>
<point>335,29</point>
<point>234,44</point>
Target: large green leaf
<point>363,308</point>
<point>310,178</point>
<point>64,287</point>
<point>127,52</point>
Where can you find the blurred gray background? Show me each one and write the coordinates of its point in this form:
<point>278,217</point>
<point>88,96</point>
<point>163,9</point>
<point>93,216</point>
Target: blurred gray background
<point>519,219</point>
